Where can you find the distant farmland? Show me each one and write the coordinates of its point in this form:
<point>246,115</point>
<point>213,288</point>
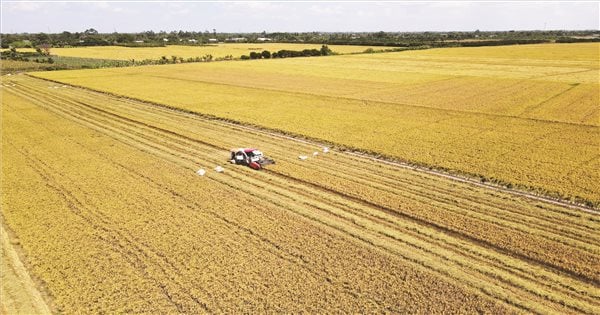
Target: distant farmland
<point>524,116</point>
<point>216,50</point>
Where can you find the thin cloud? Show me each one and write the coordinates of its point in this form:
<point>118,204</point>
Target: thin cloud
<point>255,16</point>
<point>15,7</point>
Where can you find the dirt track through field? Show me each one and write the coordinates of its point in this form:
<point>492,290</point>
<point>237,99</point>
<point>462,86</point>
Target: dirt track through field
<point>18,292</point>
<point>527,254</point>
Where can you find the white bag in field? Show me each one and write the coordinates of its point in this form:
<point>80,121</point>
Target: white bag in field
<point>219,169</point>
<point>303,157</point>
<point>325,149</point>
<point>315,153</point>
<point>201,172</point>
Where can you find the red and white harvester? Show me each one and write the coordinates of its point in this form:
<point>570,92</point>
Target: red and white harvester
<point>250,157</point>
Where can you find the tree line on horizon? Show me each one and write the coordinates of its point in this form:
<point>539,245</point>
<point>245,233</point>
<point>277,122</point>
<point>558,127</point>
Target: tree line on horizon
<point>91,37</point>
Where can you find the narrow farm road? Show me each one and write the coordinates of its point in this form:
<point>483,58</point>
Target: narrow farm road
<point>18,291</point>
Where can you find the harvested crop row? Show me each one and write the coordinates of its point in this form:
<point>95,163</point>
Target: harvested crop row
<point>166,144</point>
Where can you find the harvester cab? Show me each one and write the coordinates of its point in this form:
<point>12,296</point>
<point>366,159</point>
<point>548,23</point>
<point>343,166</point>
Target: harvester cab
<point>252,158</point>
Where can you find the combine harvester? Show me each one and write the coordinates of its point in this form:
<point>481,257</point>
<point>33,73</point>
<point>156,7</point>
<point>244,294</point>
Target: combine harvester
<point>252,158</point>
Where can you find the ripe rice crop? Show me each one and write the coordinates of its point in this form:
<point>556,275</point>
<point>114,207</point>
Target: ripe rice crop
<point>216,50</point>
<point>523,116</point>
<point>127,225</point>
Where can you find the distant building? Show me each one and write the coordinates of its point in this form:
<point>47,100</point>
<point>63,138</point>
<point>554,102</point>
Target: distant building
<point>213,40</point>
<point>263,39</point>
<point>236,39</point>
<point>165,39</point>
<point>138,41</point>
<point>192,41</point>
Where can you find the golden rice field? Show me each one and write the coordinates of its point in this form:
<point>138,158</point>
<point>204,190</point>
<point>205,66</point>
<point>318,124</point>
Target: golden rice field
<point>102,194</point>
<point>526,116</point>
<point>216,50</point>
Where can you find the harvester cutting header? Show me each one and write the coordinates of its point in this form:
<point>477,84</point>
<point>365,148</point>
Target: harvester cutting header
<point>252,158</point>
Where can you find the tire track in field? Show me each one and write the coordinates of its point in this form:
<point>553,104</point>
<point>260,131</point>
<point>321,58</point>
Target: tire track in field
<point>530,108</point>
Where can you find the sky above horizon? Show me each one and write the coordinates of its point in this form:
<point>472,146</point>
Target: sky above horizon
<point>296,16</point>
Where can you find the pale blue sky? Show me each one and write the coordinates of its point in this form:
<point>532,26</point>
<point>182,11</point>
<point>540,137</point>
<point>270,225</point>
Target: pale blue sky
<point>130,16</point>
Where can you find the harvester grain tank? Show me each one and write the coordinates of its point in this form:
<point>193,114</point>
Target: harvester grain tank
<point>252,158</point>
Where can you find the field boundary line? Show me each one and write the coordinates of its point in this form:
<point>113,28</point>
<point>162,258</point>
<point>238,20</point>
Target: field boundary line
<point>356,152</point>
<point>38,297</point>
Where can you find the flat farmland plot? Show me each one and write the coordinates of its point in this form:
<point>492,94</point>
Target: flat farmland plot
<point>216,50</point>
<point>525,116</point>
<point>127,225</point>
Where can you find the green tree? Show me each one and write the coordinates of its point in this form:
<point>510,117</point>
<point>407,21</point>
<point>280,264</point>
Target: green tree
<point>254,55</point>
<point>266,54</point>
<point>325,51</point>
